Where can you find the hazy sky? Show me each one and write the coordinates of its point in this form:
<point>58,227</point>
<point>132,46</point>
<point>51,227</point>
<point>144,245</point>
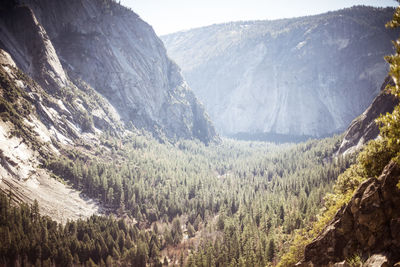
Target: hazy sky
<point>167,16</point>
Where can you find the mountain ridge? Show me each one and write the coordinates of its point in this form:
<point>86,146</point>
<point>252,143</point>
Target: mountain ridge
<point>287,71</point>
<point>108,47</point>
<point>48,107</point>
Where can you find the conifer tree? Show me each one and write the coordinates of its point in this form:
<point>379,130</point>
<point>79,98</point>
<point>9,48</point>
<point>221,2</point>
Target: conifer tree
<point>271,250</point>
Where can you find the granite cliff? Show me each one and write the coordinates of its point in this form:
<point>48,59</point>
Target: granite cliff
<point>71,74</point>
<point>303,76</point>
<point>109,48</point>
<point>363,128</point>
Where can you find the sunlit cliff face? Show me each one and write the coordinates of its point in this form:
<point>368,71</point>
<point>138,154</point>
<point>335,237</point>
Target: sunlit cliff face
<point>304,76</point>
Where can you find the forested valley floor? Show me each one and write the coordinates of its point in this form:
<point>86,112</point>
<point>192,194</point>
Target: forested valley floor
<point>235,203</point>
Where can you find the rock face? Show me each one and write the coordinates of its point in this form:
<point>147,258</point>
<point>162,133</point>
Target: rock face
<point>63,106</point>
<point>363,128</point>
<point>369,224</point>
<point>33,125</point>
<point>109,48</point>
<point>29,45</point>
<point>71,71</point>
<point>377,260</point>
<point>302,76</point>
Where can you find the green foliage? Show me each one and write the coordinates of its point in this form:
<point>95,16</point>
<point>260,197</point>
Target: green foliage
<point>190,230</point>
<point>375,156</point>
<point>271,250</point>
<point>241,194</point>
<point>390,123</point>
<point>176,231</point>
<point>370,163</point>
<point>86,122</point>
<point>255,189</point>
<point>14,106</point>
<point>27,238</point>
<point>395,22</point>
<point>355,261</point>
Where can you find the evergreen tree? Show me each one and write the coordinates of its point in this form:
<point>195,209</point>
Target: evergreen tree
<point>271,250</point>
<point>176,231</point>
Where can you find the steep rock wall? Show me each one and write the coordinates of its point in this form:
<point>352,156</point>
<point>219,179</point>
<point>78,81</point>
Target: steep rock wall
<point>118,54</point>
<point>363,128</point>
<point>369,224</point>
<point>303,76</point>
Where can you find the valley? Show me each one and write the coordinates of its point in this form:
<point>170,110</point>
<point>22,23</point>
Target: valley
<point>217,194</point>
<point>109,158</point>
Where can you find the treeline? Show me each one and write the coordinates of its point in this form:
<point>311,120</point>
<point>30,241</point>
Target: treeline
<point>257,233</point>
<point>263,191</point>
<point>27,238</point>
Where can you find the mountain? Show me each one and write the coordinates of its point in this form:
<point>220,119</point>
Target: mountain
<point>359,224</point>
<point>308,76</point>
<point>36,127</point>
<point>107,47</point>
<point>363,128</point>
<point>72,74</point>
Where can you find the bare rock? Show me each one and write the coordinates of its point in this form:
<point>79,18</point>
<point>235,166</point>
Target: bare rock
<point>363,128</point>
<point>304,264</point>
<point>369,223</point>
<point>70,46</point>
<point>119,55</point>
<point>30,46</point>
<point>378,260</point>
<point>341,264</point>
<point>297,76</point>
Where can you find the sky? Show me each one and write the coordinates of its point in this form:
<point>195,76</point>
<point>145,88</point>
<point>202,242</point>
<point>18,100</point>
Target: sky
<point>168,16</point>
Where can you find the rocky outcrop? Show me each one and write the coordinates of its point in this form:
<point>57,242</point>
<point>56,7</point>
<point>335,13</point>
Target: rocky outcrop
<point>303,76</point>
<point>115,52</point>
<point>71,71</point>
<point>33,126</point>
<point>68,108</point>
<point>26,40</point>
<point>363,128</point>
<point>101,45</point>
<point>369,224</point>
<point>377,260</point>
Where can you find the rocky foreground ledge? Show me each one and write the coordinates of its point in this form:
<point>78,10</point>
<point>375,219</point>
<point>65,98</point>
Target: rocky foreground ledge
<point>368,226</point>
